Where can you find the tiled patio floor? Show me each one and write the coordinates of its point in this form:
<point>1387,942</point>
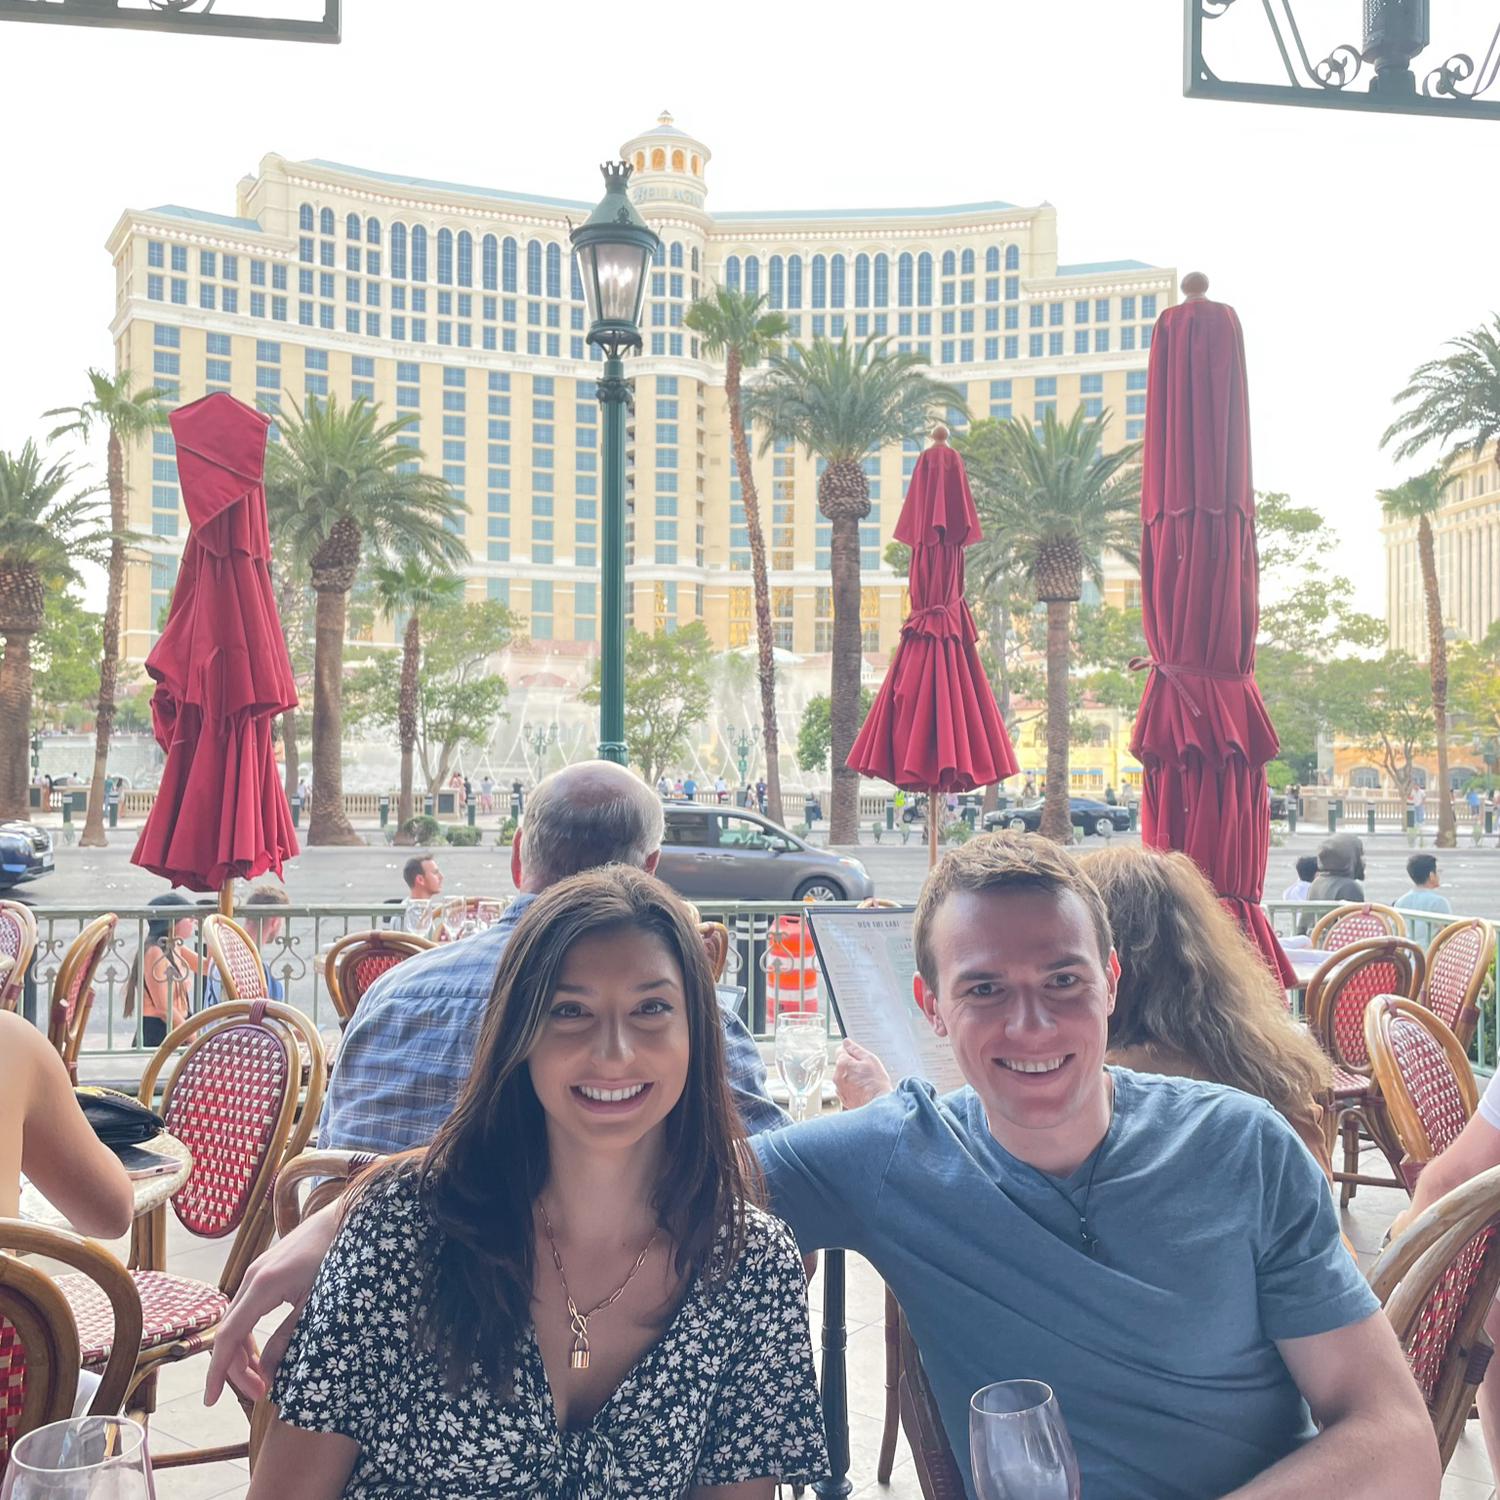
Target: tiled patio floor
<point>182,1419</point>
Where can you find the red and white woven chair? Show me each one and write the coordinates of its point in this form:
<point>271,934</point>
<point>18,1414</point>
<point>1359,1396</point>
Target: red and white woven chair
<point>1458,961</point>
<point>242,975</point>
<point>73,988</point>
<point>1336,999</point>
<point>232,1099</point>
<point>358,959</point>
<point>17,943</point>
<point>1437,1282</point>
<point>1355,923</point>
<point>1425,1079</point>
<point>39,1346</point>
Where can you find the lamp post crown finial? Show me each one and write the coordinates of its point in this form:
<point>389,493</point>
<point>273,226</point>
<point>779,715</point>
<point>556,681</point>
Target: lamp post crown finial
<point>1195,286</point>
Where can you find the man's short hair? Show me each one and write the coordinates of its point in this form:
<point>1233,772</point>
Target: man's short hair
<point>1004,861</point>
<point>266,895</point>
<point>590,814</point>
<point>1420,868</point>
<point>413,868</point>
<point>1307,867</point>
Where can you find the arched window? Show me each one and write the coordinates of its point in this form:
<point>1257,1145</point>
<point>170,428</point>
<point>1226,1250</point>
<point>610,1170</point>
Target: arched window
<point>794,281</point>
<point>1366,777</point>
<point>508,265</point>
<point>658,160</point>
<point>861,280</point>
<point>678,161</point>
<point>659,255</point>
<point>418,253</point>
<point>1419,777</point>
<point>882,280</point>
<point>775,289</point>
<point>445,257</point>
<point>534,268</point>
<point>575,281</point>
<point>676,255</point>
<point>1012,257</point>
<point>398,250</point>
<point>819,282</point>
<point>554,270</point>
<point>752,274</point>
<point>924,280</point>
<point>992,258</point>
<point>372,231</point>
<point>352,226</point>
<point>904,281</point>
<point>732,273</point>
<point>966,263</point>
<point>465,258</point>
<point>697,166</point>
<point>326,221</point>
<point>489,263</point>
<point>640,161</point>
<point>836,281</point>
<point>305,218</point>
<point>950,264</point>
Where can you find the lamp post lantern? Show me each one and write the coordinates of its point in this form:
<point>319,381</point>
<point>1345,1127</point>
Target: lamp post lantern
<point>614,250</point>
<point>742,741</point>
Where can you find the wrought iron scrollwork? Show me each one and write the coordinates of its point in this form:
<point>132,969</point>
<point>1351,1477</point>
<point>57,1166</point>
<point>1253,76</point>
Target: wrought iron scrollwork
<point>1448,80</point>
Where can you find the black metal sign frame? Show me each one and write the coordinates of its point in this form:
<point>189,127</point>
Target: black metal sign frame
<point>175,16</point>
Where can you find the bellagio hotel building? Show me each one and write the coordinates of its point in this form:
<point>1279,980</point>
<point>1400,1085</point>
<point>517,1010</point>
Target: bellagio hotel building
<point>459,306</point>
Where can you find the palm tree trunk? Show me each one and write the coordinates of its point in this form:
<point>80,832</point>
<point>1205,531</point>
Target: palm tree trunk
<point>290,753</point>
<point>94,836</point>
<point>328,823</point>
<point>999,631</point>
<point>765,640</point>
<point>1437,658</point>
<point>15,725</point>
<point>406,715</point>
<point>843,695</point>
<point>1056,822</point>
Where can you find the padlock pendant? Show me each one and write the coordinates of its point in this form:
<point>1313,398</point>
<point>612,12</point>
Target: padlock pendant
<point>579,1359</point>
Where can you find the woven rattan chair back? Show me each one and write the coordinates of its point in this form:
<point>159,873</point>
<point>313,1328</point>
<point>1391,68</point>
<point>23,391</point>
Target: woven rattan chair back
<point>358,959</point>
<point>1345,985</point>
<point>1424,1077</point>
<point>1356,922</point>
<point>1437,1282</point>
<point>1458,961</point>
<point>73,988</point>
<point>937,1470</point>
<point>241,973</point>
<point>17,943</point>
<point>328,1172</point>
<point>715,937</point>
<point>39,1351</point>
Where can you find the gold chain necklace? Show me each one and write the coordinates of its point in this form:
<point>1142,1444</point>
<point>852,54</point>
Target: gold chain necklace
<point>578,1358</point>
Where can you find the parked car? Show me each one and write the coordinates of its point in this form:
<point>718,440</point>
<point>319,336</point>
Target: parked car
<point>736,854</point>
<point>1087,813</point>
<point>25,852</point>
<point>1278,807</point>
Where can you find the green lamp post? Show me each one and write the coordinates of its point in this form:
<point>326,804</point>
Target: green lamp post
<point>742,741</point>
<point>614,250</point>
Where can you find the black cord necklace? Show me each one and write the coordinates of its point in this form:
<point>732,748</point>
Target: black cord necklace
<point>1088,1241</point>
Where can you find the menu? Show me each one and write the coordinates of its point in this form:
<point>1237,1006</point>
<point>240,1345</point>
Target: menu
<point>868,964</point>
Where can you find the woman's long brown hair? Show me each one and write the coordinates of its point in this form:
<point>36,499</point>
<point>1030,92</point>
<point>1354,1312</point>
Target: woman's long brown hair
<point>487,1165</point>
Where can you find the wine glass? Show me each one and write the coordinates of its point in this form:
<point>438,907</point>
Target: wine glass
<point>417,917</point>
<point>87,1458</point>
<point>455,913</point>
<point>487,913</point>
<point>1018,1445</point>
<point>801,1057</point>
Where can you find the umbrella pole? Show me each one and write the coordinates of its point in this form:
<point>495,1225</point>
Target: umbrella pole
<point>932,827</point>
<point>226,899</point>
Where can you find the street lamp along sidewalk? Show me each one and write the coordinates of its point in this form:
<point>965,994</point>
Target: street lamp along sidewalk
<point>614,250</point>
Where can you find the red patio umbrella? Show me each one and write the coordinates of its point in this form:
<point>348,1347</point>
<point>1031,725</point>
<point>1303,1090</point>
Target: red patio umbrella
<point>1203,735</point>
<point>935,726</point>
<point>221,667</point>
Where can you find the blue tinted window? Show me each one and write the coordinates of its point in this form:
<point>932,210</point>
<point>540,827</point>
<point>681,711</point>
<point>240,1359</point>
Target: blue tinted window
<point>418,253</point>
<point>179,257</point>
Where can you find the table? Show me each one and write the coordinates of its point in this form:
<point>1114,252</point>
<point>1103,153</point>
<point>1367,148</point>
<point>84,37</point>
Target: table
<point>1306,962</point>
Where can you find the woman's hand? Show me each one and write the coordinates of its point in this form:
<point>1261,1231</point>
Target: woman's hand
<point>858,1075</point>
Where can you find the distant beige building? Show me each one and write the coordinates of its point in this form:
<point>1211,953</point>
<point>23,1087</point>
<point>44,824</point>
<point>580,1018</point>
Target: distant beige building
<point>1466,540</point>
<point>459,305</point>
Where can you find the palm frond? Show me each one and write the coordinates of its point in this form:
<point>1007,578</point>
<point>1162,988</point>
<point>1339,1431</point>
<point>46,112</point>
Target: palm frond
<point>42,526</point>
<point>732,319</point>
<point>1421,495</point>
<point>1454,397</point>
<point>114,407</point>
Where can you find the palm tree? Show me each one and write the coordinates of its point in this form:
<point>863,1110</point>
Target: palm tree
<point>841,401</point>
<point>1051,502</point>
<point>734,324</point>
<point>1454,397</point>
<point>337,482</point>
<point>127,418</point>
<point>1419,499</point>
<point>410,587</point>
<point>43,533</point>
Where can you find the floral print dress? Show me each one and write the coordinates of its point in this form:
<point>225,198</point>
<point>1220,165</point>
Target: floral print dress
<point>726,1394</point>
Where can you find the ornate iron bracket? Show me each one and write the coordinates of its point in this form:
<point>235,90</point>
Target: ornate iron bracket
<point>191,17</point>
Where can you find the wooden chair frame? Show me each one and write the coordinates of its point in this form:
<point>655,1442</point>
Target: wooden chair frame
<point>14,982</point>
<point>1410,1268</point>
<point>938,1472</point>
<point>1394,921</point>
<point>330,1173</point>
<point>218,931</point>
<point>1405,1119</point>
<point>1468,1013</point>
<point>36,1306</point>
<point>351,947</point>
<point>715,937</point>
<point>79,964</point>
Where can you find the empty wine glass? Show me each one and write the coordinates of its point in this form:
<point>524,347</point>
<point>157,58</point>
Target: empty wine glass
<point>801,1057</point>
<point>455,913</point>
<point>88,1458</point>
<point>487,913</point>
<point>1018,1444</point>
<point>417,917</point>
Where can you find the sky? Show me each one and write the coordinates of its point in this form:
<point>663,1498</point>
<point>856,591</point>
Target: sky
<point>1352,245</point>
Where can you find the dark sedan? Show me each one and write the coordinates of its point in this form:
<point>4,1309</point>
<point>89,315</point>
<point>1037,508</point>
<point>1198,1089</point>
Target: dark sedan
<point>25,852</point>
<point>1092,816</point>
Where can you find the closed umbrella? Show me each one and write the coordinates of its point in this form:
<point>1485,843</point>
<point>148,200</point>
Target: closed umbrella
<point>1203,735</point>
<point>221,667</point>
<point>935,726</point>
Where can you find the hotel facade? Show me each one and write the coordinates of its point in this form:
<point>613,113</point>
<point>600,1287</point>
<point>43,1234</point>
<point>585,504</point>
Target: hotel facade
<point>459,306</point>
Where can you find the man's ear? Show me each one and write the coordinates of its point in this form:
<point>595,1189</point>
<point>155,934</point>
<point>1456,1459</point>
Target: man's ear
<point>1113,981</point>
<point>927,1000</point>
<point>515,861</point>
<point>651,861</point>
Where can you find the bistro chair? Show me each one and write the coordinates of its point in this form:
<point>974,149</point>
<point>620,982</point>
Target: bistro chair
<point>1436,1283</point>
<point>73,988</point>
<point>1354,923</point>
<point>1336,999</point>
<point>17,943</point>
<point>40,1355</point>
<point>358,959</point>
<point>938,1472</point>
<point>1424,1076</point>
<point>1458,962</point>
<point>715,937</point>
<point>242,975</point>
<point>328,1174</point>
<point>232,1099</point>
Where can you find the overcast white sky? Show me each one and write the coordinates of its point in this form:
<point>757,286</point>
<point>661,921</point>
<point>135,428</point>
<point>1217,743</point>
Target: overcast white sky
<point>1352,245</point>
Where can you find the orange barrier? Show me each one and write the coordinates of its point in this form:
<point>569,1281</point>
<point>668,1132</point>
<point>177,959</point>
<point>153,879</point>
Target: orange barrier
<point>791,970</point>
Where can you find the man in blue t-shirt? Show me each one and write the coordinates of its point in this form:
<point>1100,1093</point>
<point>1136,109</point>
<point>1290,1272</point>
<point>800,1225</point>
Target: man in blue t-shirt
<point>1163,1253</point>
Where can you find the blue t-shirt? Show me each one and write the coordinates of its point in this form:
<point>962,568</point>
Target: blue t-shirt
<point>1216,1236</point>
